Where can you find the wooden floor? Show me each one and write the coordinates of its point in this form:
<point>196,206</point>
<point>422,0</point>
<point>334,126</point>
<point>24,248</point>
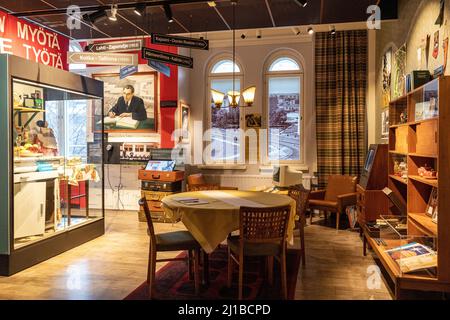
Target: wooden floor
<point>112,266</point>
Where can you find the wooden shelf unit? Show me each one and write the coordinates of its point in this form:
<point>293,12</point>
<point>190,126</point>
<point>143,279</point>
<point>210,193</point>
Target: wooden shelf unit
<point>399,179</point>
<point>423,142</point>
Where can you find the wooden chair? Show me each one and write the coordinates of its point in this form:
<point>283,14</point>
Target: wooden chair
<point>262,232</point>
<point>301,197</point>
<point>170,241</point>
<point>339,194</point>
<point>197,182</point>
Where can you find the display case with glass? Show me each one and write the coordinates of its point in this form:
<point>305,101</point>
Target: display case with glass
<point>50,124</point>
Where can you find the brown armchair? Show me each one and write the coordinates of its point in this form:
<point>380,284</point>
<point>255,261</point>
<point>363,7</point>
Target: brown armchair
<point>340,193</point>
<point>197,182</point>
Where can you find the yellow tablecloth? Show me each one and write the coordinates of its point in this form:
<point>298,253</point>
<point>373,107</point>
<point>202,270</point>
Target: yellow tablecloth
<point>210,223</point>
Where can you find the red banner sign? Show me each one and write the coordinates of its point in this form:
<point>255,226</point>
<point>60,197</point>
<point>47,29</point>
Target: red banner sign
<point>32,42</point>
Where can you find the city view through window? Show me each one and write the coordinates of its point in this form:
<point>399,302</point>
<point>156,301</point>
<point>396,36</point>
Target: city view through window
<point>284,118</point>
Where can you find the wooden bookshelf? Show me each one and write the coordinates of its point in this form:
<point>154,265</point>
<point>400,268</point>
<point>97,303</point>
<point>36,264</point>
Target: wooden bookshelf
<point>422,141</point>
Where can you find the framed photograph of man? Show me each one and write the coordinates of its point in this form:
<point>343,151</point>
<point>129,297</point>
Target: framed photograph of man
<point>130,104</point>
<point>185,114</point>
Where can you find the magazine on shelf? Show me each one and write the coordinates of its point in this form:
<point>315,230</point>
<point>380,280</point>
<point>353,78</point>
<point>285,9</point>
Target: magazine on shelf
<point>413,257</point>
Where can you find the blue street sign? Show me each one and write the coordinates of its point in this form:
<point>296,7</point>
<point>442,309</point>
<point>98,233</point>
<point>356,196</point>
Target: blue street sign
<point>160,67</point>
<point>127,71</point>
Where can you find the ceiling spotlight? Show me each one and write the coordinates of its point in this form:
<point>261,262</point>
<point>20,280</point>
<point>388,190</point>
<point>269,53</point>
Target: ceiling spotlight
<point>168,12</point>
<point>113,14</point>
<point>302,3</point>
<point>296,31</point>
<point>258,34</point>
<point>140,9</point>
<point>332,30</point>
<point>310,30</point>
<point>95,17</point>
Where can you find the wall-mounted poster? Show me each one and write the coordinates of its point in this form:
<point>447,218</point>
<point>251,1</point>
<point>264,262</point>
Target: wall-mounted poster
<point>130,104</point>
<point>385,124</point>
<point>399,72</point>
<point>387,70</point>
<point>184,122</point>
<point>436,45</point>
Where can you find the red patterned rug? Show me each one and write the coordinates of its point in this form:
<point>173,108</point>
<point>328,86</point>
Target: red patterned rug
<point>172,281</point>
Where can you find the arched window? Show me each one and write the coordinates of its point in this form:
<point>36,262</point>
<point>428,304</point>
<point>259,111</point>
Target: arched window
<point>284,100</point>
<point>226,121</point>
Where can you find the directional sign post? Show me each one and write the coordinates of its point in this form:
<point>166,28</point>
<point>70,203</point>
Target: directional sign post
<point>165,57</point>
<point>177,41</point>
<point>160,67</point>
<point>107,59</point>
<point>116,46</point>
<point>128,71</point>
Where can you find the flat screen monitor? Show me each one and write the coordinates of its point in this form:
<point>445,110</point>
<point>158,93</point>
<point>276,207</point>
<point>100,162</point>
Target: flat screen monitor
<point>163,165</point>
<point>284,177</point>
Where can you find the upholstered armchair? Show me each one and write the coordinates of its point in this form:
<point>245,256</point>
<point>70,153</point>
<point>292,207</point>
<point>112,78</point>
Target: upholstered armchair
<point>197,182</point>
<point>339,194</point>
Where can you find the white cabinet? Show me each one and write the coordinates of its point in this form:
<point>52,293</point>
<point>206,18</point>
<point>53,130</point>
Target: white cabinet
<point>29,209</point>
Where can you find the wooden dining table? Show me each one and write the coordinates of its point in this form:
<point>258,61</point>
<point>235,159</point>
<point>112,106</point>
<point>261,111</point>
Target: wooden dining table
<point>210,216</point>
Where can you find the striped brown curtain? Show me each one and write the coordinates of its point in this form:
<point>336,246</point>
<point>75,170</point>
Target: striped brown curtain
<point>341,77</point>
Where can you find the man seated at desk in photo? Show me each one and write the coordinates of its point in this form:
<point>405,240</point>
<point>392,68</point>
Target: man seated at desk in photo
<point>129,106</point>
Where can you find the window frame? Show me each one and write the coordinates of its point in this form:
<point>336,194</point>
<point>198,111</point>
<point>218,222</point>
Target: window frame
<point>266,100</point>
<point>239,76</point>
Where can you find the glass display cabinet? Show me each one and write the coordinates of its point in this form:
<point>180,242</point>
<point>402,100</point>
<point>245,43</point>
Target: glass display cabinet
<point>46,126</point>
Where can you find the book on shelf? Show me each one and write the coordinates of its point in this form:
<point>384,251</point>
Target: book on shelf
<point>413,257</point>
<point>419,78</point>
<point>408,83</point>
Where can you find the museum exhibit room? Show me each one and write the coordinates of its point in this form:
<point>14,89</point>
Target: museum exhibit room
<point>238,150</point>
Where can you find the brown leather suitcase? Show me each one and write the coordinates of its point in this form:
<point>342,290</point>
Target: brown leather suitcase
<point>168,176</point>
